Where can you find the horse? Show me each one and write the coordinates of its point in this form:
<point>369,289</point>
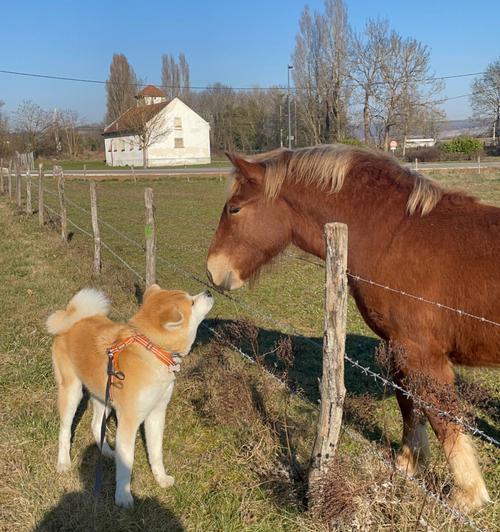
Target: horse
<point>406,232</point>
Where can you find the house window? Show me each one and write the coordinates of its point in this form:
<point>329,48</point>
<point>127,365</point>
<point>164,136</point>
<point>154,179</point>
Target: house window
<point>179,143</point>
<point>177,122</point>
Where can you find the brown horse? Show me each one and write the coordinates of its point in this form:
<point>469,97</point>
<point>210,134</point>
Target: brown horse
<point>406,232</point>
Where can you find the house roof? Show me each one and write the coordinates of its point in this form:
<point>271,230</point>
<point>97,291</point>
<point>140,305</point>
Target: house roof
<point>131,119</point>
<point>151,90</point>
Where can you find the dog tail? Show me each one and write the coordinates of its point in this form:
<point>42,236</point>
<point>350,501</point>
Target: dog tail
<point>86,303</point>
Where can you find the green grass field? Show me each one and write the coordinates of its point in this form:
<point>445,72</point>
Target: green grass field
<point>237,442</point>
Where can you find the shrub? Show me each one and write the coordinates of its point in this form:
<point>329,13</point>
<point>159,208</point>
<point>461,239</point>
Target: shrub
<point>352,142</point>
<point>466,145</point>
<point>424,154</point>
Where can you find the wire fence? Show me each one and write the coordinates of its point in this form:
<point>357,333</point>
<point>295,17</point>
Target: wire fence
<point>288,328</point>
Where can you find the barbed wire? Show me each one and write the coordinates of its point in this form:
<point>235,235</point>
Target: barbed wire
<point>424,300</point>
<point>455,513</point>
<point>468,521</point>
<point>366,370</point>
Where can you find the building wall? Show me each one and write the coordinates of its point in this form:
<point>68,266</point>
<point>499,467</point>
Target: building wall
<point>178,121</point>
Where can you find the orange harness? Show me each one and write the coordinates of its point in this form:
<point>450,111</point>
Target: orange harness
<point>117,347</point>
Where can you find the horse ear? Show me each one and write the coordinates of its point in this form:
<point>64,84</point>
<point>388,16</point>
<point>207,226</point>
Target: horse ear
<point>248,170</point>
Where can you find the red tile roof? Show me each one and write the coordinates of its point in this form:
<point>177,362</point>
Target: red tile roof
<point>132,119</point>
<point>151,90</point>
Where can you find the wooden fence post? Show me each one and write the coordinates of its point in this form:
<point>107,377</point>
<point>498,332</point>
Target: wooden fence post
<point>9,179</point>
<point>150,232</point>
<point>2,188</point>
<point>332,388</point>
<point>62,202</point>
<point>40,196</point>
<point>95,228</point>
<point>19,199</point>
<point>29,208</point>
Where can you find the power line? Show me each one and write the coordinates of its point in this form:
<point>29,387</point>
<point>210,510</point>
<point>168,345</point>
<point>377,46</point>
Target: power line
<point>203,87</point>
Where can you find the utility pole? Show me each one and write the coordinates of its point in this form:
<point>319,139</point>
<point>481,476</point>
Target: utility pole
<point>281,131</point>
<point>289,111</point>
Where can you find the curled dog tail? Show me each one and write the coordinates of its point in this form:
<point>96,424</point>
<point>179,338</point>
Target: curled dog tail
<point>86,303</point>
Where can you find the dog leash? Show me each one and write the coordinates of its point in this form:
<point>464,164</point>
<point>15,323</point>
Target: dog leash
<point>112,373</point>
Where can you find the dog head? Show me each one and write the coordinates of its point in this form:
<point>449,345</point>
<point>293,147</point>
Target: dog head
<point>170,318</point>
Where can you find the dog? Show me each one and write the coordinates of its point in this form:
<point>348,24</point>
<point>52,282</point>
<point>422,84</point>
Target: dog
<point>166,324</point>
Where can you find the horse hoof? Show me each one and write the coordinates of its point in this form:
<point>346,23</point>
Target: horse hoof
<point>467,501</point>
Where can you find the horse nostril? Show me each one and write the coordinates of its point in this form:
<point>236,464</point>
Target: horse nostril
<point>209,275</point>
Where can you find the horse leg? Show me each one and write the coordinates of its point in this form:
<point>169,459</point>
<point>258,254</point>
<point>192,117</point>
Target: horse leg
<point>415,444</point>
<point>470,491</point>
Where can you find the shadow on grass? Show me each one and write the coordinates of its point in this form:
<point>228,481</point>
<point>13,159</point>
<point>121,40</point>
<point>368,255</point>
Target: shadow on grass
<point>81,511</point>
<point>305,373</point>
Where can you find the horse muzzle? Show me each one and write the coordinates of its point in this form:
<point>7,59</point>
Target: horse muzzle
<point>221,276</point>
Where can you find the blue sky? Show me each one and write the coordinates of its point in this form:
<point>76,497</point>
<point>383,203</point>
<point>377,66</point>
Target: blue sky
<point>238,43</point>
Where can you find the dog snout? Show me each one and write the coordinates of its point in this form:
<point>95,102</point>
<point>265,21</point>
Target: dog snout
<point>207,293</point>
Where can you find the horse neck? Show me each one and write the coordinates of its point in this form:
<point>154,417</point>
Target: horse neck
<point>370,213</point>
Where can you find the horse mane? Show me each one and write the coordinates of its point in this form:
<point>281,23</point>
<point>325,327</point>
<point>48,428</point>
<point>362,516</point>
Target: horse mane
<point>327,167</point>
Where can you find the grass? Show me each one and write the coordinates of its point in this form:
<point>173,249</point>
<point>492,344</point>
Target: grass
<point>93,164</point>
<point>233,472</point>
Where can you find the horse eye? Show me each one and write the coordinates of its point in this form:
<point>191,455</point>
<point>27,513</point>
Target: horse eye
<point>234,210</point>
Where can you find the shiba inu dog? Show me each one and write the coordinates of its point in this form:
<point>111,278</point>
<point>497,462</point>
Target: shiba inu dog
<point>150,348</point>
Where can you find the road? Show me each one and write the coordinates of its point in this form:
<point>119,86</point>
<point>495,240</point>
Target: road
<point>224,170</point>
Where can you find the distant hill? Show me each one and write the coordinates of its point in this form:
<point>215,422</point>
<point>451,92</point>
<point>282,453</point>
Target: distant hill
<point>455,128</point>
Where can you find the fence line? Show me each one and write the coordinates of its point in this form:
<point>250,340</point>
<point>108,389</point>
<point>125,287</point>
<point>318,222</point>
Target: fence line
<point>456,514</point>
<point>366,370</point>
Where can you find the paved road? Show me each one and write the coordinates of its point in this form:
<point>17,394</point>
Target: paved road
<point>224,170</point>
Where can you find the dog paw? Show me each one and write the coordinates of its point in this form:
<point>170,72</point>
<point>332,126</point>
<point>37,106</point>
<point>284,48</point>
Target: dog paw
<point>124,499</point>
<point>107,451</point>
<point>63,467</point>
<point>164,480</point>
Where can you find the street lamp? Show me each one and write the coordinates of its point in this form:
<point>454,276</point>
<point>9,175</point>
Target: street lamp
<point>289,112</point>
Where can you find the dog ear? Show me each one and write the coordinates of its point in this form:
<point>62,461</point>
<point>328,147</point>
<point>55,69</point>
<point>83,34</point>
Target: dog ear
<point>172,319</point>
<point>150,290</point>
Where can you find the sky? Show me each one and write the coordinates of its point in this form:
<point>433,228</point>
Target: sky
<point>236,43</point>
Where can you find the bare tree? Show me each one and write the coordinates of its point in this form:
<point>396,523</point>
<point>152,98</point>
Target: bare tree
<point>320,71</point>
<point>485,98</point>
<point>185,81</point>
<point>69,122</point>
<point>121,88</point>
<point>5,142</point>
<point>167,76</point>
<point>403,88</point>
<point>365,65</point>
<point>146,125</point>
<point>175,77</point>
<point>32,124</point>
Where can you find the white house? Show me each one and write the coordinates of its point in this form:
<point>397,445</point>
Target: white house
<point>159,132</point>
<point>420,143</point>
